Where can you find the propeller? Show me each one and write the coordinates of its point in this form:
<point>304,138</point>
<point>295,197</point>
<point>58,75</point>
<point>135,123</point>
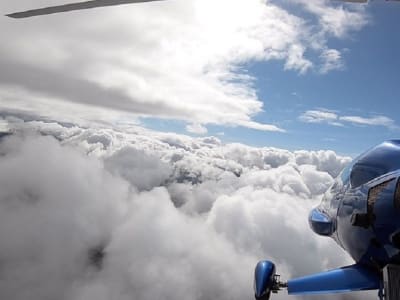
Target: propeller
<point>72,6</point>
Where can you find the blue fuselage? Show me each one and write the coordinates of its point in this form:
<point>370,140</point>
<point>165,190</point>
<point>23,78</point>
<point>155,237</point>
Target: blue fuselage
<point>361,211</point>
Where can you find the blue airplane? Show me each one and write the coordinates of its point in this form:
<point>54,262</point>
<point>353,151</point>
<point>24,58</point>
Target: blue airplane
<point>361,212</point>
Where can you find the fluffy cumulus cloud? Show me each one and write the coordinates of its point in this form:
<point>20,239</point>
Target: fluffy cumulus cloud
<point>128,213</point>
<point>170,59</point>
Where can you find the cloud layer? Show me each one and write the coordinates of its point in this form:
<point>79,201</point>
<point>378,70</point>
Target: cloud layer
<point>127,213</point>
<point>171,59</point>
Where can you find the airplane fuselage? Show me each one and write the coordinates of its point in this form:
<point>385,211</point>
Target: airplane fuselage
<point>361,211</point>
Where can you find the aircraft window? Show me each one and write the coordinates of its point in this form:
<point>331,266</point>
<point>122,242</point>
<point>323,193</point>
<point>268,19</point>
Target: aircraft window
<point>327,198</point>
<point>345,175</point>
<point>361,174</point>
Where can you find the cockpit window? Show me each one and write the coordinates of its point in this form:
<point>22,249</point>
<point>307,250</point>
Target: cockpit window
<point>345,175</point>
<point>330,193</point>
<point>362,173</point>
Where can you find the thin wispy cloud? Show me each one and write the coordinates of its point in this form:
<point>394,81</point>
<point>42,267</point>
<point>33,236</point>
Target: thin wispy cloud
<point>320,116</point>
<point>338,21</point>
<point>331,60</point>
<point>371,121</point>
<point>333,118</point>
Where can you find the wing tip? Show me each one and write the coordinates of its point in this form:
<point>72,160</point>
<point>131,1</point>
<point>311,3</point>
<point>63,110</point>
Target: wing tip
<point>71,7</point>
<point>15,15</point>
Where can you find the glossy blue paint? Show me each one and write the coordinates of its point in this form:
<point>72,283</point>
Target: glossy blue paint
<point>352,278</point>
<point>381,159</point>
<point>263,278</point>
<point>320,222</point>
<point>361,212</point>
<point>374,172</point>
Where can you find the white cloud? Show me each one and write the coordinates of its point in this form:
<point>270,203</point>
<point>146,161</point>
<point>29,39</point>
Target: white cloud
<point>3,126</point>
<point>296,60</point>
<point>196,128</point>
<point>197,236</point>
<point>331,60</point>
<point>333,118</point>
<point>55,206</point>
<point>339,20</point>
<point>144,171</point>
<point>172,59</point>
<point>320,116</point>
<point>259,126</point>
<point>372,121</point>
<point>325,161</point>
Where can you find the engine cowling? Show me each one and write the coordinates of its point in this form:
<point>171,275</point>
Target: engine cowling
<point>264,275</point>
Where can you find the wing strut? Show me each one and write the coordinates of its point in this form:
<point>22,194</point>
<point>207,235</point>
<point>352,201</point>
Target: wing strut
<point>351,278</point>
<point>346,279</point>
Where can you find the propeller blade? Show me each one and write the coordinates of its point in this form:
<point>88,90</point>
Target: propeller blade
<point>72,6</point>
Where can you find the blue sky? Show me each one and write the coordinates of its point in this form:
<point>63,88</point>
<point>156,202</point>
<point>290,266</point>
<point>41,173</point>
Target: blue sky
<point>367,86</point>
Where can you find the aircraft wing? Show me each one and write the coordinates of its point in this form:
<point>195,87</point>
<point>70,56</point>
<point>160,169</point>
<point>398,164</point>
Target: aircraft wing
<point>346,279</point>
<point>71,7</point>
